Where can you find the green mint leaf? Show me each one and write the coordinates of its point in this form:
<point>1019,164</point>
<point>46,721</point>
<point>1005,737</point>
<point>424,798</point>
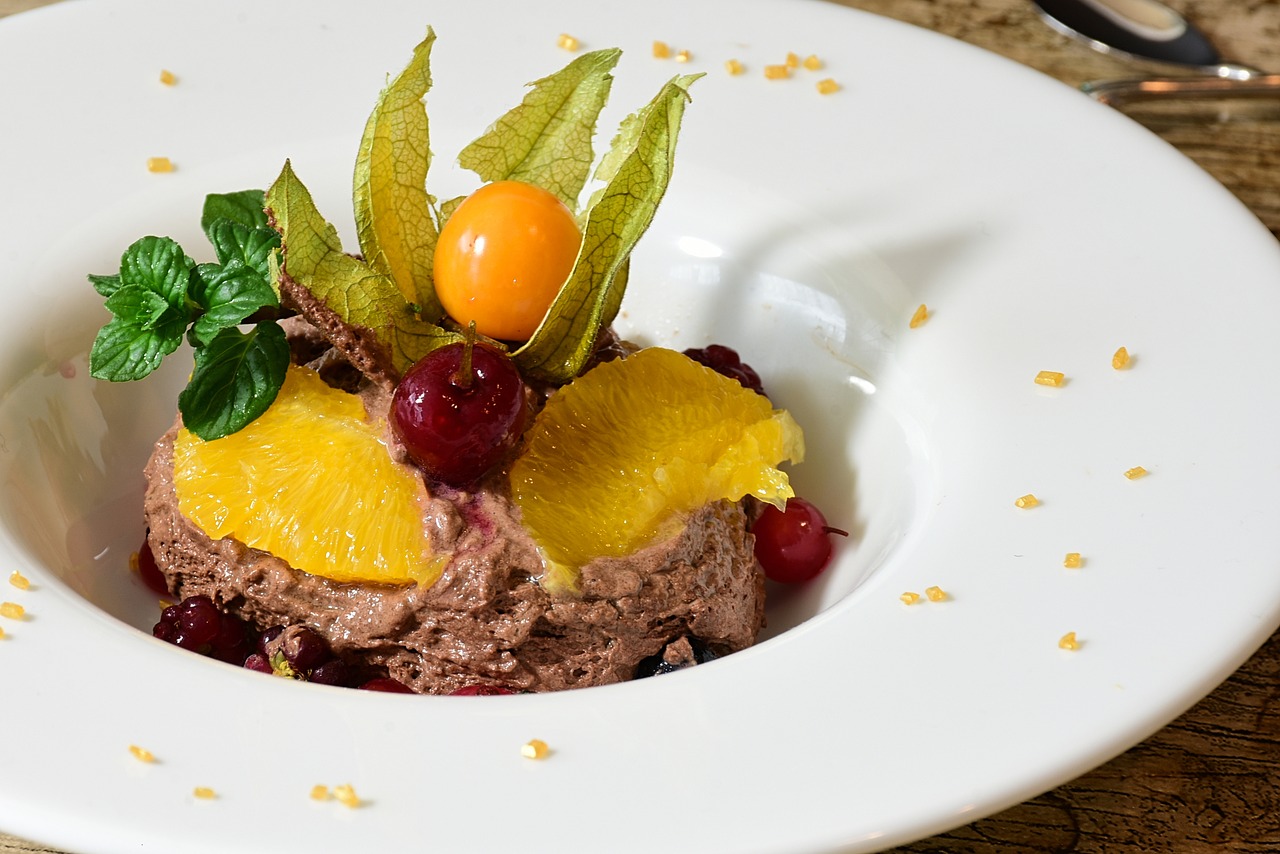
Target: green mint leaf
<point>637,171</point>
<point>546,140</point>
<point>392,207</point>
<point>159,265</point>
<point>228,294</point>
<point>245,207</point>
<point>149,302</point>
<point>325,284</point>
<point>138,306</point>
<point>236,377</point>
<point>124,350</point>
<point>235,241</point>
<point>105,285</point>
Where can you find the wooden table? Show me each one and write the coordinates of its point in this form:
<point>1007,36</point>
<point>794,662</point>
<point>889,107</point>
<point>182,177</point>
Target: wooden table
<point>1210,781</point>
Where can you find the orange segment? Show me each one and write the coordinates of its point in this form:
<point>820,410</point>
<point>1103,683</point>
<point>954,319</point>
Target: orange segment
<point>619,457</point>
<point>311,482</point>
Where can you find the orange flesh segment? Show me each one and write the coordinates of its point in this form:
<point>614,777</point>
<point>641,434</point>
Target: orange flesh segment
<point>311,482</point>
<point>619,458</point>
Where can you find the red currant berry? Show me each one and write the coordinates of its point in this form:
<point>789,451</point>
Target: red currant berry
<point>333,672</point>
<point>150,573</point>
<point>387,685</point>
<point>304,649</point>
<point>793,546</point>
<point>258,662</point>
<point>199,622</point>
<point>458,420</point>
<point>266,640</point>
<point>480,691</point>
<point>725,360</point>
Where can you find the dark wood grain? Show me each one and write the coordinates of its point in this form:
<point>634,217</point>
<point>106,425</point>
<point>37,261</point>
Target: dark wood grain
<point>1210,781</point>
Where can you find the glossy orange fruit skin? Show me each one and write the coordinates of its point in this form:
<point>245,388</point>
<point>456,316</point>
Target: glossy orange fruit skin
<point>503,256</point>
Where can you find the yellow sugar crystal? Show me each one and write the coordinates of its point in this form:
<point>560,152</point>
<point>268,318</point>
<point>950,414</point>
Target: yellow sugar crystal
<point>935,594</point>
<point>346,795</point>
<point>1027,501</point>
<point>18,580</point>
<point>910,598</point>
<point>1068,641</point>
<point>568,42</point>
<point>1,634</point>
<point>734,67</point>
<point>204,793</point>
<point>1073,560</point>
<point>1135,473</point>
<point>793,61</point>
<point>812,63</point>
<point>141,753</point>
<point>661,50</point>
<point>535,749</point>
<point>683,56</point>
<point>828,86</point>
<point>776,72</point>
<point>167,77</point>
<point>1050,378</point>
<point>159,164</point>
<point>920,316</point>
<point>320,792</point>
<point>12,610</point>
<point>1120,360</point>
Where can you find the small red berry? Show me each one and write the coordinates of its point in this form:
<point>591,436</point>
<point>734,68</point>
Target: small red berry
<point>257,662</point>
<point>388,685</point>
<point>725,360</point>
<point>150,573</point>
<point>795,545</point>
<point>480,691</point>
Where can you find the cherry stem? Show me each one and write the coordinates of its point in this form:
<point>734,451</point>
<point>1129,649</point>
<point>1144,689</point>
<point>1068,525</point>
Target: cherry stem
<point>463,376</point>
<point>830,530</point>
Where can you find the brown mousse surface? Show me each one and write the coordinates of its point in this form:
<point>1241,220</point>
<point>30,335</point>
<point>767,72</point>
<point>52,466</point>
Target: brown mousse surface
<point>486,620</point>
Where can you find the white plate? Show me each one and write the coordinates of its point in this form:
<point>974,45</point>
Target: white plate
<point>1042,230</point>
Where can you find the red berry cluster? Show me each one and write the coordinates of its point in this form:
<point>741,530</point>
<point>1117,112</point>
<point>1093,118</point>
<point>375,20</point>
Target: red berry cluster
<point>198,625</point>
<point>725,360</point>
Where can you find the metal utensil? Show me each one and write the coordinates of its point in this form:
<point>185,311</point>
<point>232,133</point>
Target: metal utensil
<point>1149,30</point>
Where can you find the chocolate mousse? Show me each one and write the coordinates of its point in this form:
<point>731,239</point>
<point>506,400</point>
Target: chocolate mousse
<point>486,620</point>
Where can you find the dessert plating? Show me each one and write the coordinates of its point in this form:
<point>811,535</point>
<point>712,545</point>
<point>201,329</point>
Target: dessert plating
<point>399,511</point>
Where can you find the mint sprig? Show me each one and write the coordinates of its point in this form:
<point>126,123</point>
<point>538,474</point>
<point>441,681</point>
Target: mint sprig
<point>149,310</point>
<point>228,293</point>
<point>161,296</point>
<point>244,207</point>
<point>237,376</point>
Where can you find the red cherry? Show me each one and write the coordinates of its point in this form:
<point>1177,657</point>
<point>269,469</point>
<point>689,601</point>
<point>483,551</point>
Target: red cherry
<point>458,420</point>
<point>795,545</point>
